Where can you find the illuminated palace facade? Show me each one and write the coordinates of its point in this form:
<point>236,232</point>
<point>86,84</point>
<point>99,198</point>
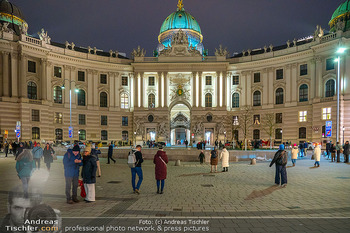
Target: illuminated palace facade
<point>179,92</point>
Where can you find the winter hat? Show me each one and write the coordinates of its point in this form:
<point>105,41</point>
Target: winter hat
<point>281,147</point>
<point>295,145</point>
<point>76,148</point>
<point>88,148</point>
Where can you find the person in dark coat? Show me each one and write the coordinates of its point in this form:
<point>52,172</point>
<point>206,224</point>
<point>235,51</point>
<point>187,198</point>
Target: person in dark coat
<point>201,157</point>
<point>25,166</point>
<point>110,153</point>
<point>160,160</point>
<point>6,148</point>
<point>137,170</point>
<point>72,162</point>
<point>48,156</point>
<point>346,151</point>
<point>19,149</point>
<point>214,160</point>
<point>89,174</point>
<point>280,159</point>
<point>333,151</point>
<point>301,149</point>
<point>95,152</point>
<point>37,154</point>
<point>328,149</point>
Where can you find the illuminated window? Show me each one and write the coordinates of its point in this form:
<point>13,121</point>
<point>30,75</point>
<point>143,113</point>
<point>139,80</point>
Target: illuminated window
<point>58,118</point>
<point>256,120</point>
<point>57,95</point>
<point>302,116</point>
<point>326,113</point>
<point>235,80</point>
<point>151,101</point>
<point>124,101</point>
<point>57,72</point>
<point>82,134</point>
<point>208,100</point>
<point>59,134</point>
<point>35,133</point>
<point>208,80</point>
<point>235,120</point>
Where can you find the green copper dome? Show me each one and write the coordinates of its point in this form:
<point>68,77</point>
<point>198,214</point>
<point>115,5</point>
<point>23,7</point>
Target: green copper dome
<point>180,20</point>
<point>342,13</point>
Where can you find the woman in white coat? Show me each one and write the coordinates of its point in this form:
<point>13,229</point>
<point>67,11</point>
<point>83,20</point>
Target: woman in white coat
<point>295,152</point>
<point>317,154</point>
<point>224,157</point>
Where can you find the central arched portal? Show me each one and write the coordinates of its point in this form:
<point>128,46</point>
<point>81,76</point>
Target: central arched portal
<point>180,123</point>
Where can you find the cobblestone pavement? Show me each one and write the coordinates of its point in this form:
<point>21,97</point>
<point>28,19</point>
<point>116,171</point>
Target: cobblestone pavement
<point>240,200</point>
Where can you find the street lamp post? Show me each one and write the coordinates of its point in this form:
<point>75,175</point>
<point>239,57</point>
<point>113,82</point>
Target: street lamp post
<point>70,103</point>
<point>343,135</point>
<point>339,52</point>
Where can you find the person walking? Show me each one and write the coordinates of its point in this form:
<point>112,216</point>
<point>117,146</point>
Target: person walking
<point>224,157</point>
<point>25,166</point>
<point>346,151</point>
<point>214,160</point>
<point>89,174</point>
<point>333,151</point>
<point>301,149</point>
<point>110,153</point>
<point>137,170</point>
<point>295,153</point>
<point>95,152</point>
<point>6,148</point>
<point>160,160</point>
<point>328,149</point>
<point>338,148</point>
<point>201,157</point>
<point>317,154</point>
<point>186,143</point>
<point>305,148</point>
<point>72,162</point>
<point>37,154</point>
<point>19,149</point>
<point>280,159</point>
<point>48,156</point>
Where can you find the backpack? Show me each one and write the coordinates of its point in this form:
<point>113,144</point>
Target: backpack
<point>132,159</point>
<point>283,159</point>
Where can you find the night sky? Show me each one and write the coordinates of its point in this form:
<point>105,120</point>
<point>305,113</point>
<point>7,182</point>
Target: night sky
<point>124,24</point>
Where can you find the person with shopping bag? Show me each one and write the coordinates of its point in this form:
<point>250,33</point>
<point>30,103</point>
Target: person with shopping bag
<point>72,162</point>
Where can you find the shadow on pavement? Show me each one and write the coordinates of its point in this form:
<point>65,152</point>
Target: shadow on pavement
<point>313,167</point>
<point>262,193</point>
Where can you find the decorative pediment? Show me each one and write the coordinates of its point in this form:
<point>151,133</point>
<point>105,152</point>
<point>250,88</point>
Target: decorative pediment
<point>279,83</point>
<point>304,81</point>
<point>257,87</point>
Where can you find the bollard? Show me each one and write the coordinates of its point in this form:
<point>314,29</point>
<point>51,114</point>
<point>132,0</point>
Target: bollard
<point>253,161</point>
<point>177,163</point>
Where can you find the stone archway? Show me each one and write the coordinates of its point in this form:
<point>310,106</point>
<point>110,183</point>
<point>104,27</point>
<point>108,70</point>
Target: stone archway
<point>180,123</point>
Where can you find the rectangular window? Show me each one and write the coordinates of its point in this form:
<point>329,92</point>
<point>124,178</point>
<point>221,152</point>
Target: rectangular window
<point>57,72</point>
<point>303,69</point>
<point>58,117</point>
<point>150,81</point>
<point>208,80</point>
<point>330,64</point>
<point>103,78</point>
<point>235,80</point>
<point>81,76</point>
<point>235,120</point>
<point>279,74</point>
<point>302,116</point>
<point>256,119</point>
<point>124,121</point>
<point>326,113</point>
<point>35,115</point>
<point>124,81</point>
<point>32,66</point>
<point>278,118</point>
<point>256,77</point>
<point>104,120</point>
<point>82,119</point>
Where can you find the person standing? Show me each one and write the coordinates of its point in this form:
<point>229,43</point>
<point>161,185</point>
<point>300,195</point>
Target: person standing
<point>160,160</point>
<point>19,150</point>
<point>137,170</point>
<point>301,149</point>
<point>305,148</point>
<point>6,147</point>
<point>328,149</point>
<point>186,143</point>
<point>346,151</point>
<point>25,166</point>
<point>295,152</point>
<point>280,159</point>
<point>89,174</point>
<point>201,157</point>
<point>110,153</point>
<point>224,157</point>
<point>317,154</point>
<point>37,154</point>
<point>338,148</point>
<point>333,151</point>
<point>95,152</point>
<point>48,156</point>
<point>72,162</point>
<point>214,160</point>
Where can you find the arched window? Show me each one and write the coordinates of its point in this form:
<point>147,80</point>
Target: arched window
<point>208,100</point>
<point>330,88</point>
<point>103,100</point>
<point>257,98</point>
<point>256,134</point>
<point>82,134</point>
<point>303,93</point>
<point>235,100</point>
<point>151,101</point>
<point>32,90</point>
<point>57,95</point>
<point>59,134</point>
<point>278,133</point>
<point>35,133</point>
<point>104,135</point>
<point>81,97</point>
<point>124,101</point>
<point>279,96</point>
<point>302,132</point>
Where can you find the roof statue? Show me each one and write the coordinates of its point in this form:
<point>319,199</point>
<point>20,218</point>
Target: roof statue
<point>221,51</point>
<point>179,38</point>
<point>44,37</point>
<point>318,32</point>
<point>138,52</point>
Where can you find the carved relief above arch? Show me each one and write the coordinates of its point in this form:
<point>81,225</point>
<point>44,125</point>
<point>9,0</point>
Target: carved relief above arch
<point>103,89</point>
<point>257,88</point>
<point>303,81</point>
<point>180,101</point>
<point>236,90</point>
<point>329,76</point>
<point>279,83</point>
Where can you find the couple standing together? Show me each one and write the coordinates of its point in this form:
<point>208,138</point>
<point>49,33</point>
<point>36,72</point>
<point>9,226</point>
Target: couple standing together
<point>160,160</point>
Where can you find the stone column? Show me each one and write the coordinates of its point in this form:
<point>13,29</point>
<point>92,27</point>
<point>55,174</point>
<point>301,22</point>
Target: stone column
<point>135,91</point>
<point>229,91</point>
<point>43,79</point>
<point>289,90</point>
<point>271,91</point>
<point>294,83</point>
<point>5,74</point>
<point>159,92</point>
<point>14,75</point>
<point>319,82</point>
<point>225,93</point>
<point>96,92</point>
<point>265,81</point>
<point>73,77</point>
<point>194,84</point>
<point>166,86</point>
<point>66,83</point>
<point>111,89</point>
<point>249,87</point>
<point>200,89</point>
<point>312,86</point>
<point>117,86</point>
<point>245,92</point>
<point>218,92</point>
<point>90,90</point>
<point>49,73</point>
<point>23,76</point>
<point>142,92</point>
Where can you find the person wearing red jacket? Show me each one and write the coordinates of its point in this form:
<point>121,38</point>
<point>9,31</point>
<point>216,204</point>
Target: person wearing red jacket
<point>160,160</point>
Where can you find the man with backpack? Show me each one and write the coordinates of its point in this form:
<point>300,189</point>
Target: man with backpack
<point>135,160</point>
<point>281,159</point>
